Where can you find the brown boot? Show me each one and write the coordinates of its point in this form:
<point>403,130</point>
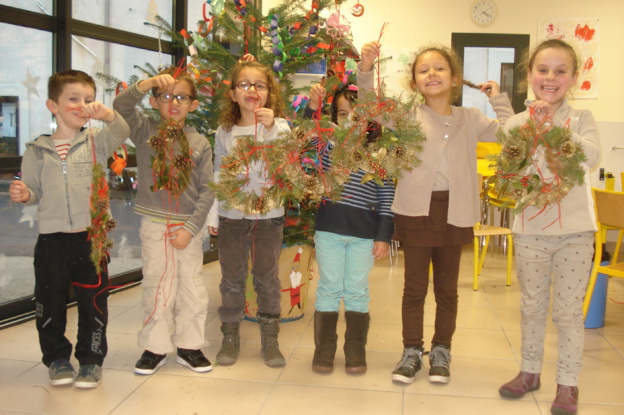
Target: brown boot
<point>566,400</point>
<point>325,340</point>
<point>520,385</point>
<point>355,341</point>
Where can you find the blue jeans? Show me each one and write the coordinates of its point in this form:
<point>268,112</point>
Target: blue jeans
<point>240,240</point>
<point>344,264</point>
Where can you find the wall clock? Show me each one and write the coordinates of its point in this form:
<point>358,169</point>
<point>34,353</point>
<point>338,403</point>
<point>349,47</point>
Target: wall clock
<point>483,12</point>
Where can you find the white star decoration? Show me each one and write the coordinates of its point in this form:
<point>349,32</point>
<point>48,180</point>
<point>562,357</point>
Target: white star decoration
<point>31,83</point>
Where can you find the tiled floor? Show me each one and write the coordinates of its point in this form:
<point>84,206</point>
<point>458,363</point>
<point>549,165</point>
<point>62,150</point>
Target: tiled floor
<point>485,354</point>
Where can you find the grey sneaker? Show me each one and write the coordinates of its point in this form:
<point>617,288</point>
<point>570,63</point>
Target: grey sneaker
<point>61,372</point>
<point>439,360</point>
<point>410,364</point>
<point>89,376</point>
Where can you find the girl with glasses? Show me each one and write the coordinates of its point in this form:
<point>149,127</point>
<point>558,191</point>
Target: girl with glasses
<point>253,107</point>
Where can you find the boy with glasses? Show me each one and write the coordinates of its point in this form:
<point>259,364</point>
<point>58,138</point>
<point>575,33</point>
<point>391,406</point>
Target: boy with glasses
<point>175,167</point>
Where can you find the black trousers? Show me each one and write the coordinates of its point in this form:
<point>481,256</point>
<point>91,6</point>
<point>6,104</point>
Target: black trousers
<point>61,260</point>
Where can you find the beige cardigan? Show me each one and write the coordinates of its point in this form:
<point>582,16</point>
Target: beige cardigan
<point>459,139</point>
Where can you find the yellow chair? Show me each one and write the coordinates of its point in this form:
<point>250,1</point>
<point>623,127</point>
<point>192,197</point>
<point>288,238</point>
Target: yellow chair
<point>481,240</point>
<point>487,232</point>
<point>609,206</point>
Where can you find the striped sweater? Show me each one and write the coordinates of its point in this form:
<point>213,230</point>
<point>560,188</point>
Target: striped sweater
<point>364,210</point>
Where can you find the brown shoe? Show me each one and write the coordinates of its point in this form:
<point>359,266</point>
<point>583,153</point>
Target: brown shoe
<point>520,385</point>
<point>566,400</point>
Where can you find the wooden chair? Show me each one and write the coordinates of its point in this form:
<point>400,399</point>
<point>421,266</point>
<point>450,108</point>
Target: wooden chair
<point>609,206</point>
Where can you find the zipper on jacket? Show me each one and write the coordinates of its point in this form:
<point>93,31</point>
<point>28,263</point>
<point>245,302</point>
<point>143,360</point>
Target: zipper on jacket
<point>64,164</point>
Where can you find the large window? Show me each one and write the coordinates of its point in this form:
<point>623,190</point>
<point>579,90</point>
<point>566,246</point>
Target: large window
<point>128,15</point>
<point>38,38</point>
<point>23,86</point>
<point>41,6</point>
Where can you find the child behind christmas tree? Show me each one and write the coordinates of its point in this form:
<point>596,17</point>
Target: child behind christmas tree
<point>175,167</point>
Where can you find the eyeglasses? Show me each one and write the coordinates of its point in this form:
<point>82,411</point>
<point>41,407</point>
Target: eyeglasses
<point>182,99</point>
<point>246,86</point>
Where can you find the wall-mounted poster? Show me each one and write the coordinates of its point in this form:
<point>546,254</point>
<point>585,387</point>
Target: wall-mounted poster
<point>582,34</point>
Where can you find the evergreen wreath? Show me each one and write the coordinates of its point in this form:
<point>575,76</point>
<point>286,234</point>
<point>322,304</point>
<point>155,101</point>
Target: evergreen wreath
<point>385,154</point>
<point>291,171</point>
<point>518,176</point>
<point>293,165</point>
<point>172,163</point>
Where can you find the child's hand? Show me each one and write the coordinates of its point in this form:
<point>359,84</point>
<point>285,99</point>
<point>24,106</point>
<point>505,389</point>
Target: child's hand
<point>541,110</point>
<point>370,52</point>
<point>490,88</point>
<point>266,117</point>
<point>381,249</point>
<point>97,111</point>
<point>18,192</point>
<point>213,231</point>
<point>317,95</point>
<point>180,238</point>
<point>163,81</point>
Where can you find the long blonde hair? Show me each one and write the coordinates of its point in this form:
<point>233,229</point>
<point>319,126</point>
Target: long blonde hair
<point>230,111</point>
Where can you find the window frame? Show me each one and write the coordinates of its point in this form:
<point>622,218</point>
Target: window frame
<point>63,27</point>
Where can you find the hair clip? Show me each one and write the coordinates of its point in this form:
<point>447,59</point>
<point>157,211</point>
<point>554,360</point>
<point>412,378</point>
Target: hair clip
<point>353,88</point>
<point>345,78</point>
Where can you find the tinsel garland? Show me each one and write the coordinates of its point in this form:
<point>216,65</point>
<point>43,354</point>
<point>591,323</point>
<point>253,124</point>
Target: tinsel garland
<point>518,175</point>
<point>101,222</point>
<point>293,166</point>
<point>172,163</point>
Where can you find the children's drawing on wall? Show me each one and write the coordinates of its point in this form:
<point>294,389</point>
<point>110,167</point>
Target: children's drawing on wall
<point>583,35</point>
<point>395,70</point>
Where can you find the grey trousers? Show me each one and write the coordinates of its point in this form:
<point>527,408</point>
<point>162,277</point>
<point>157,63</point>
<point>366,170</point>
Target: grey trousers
<point>239,241</point>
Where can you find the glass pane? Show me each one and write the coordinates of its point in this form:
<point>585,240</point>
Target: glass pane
<point>481,65</point>
<point>128,15</point>
<point>95,56</point>
<point>194,16</point>
<point>40,6</point>
<point>24,74</point>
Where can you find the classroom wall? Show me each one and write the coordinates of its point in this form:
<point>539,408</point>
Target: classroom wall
<point>414,23</point>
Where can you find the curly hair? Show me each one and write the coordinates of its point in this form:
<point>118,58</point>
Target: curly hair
<point>453,61</point>
<point>230,111</point>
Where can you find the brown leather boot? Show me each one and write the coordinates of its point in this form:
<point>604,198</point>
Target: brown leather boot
<point>355,342</point>
<point>325,340</point>
<point>566,400</point>
<point>520,385</point>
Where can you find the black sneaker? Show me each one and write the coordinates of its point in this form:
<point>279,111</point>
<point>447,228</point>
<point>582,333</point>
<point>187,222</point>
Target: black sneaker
<point>149,363</point>
<point>410,364</point>
<point>439,360</point>
<point>194,360</point>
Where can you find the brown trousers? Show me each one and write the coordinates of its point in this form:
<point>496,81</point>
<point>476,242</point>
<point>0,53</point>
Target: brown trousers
<point>425,240</point>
